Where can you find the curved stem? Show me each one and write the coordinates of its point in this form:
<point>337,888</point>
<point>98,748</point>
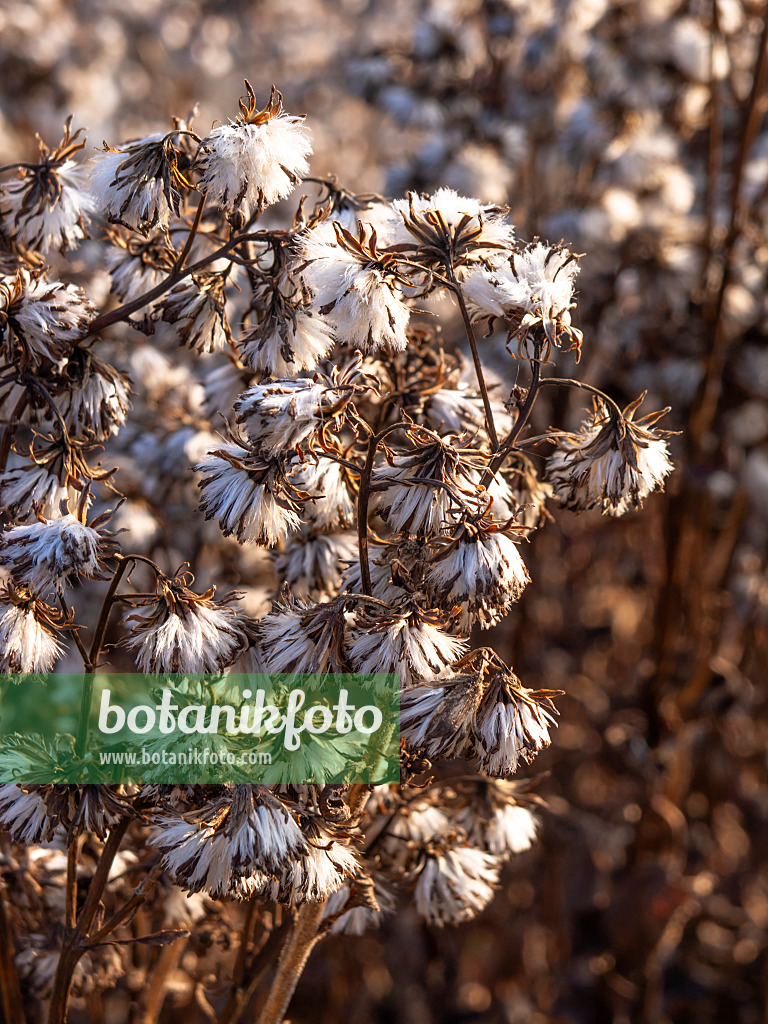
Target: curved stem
<point>72,947</point>
<point>124,311</point>
<point>493,437</point>
<point>191,236</point>
<point>302,940</point>
<point>567,382</point>
<point>10,430</point>
<point>363,496</point>
<point>522,417</point>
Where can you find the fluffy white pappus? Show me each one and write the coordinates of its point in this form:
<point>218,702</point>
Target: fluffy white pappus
<point>513,728</point>
<point>484,574</point>
<point>455,886</point>
<point>247,503</point>
<point>322,871</point>
<point>454,410</point>
<point>25,815</point>
<point>284,640</point>
<point>254,833</point>
<point>99,402</point>
<point>284,345</point>
<point>419,707</point>
<point>132,185</point>
<point>417,823</point>
<point>536,283</point>
<point>414,650</point>
<point>333,504</point>
<point>312,565</point>
<point>42,219</point>
<point>198,310</point>
<point>283,414</point>
<point>26,484</point>
<point>44,555</point>
<point>461,214</point>
<point>203,638</point>
<point>358,297</point>
<point>598,468</point>
<point>412,506</point>
<point>512,829</point>
<point>507,828</point>
<point>49,316</point>
<point>25,644</point>
<point>131,276</point>
<point>357,920</point>
<point>245,167</point>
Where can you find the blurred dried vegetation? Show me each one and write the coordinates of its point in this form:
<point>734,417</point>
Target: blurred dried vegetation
<point>634,130</point>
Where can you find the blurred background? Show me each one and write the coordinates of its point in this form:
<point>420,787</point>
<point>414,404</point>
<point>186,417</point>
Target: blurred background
<point>632,130</point>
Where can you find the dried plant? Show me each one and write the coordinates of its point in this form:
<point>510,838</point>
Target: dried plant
<point>392,481</point>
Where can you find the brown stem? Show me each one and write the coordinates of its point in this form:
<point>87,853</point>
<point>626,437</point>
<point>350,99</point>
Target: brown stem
<point>10,431</point>
<point>129,907</point>
<point>178,266</point>
<point>70,894</point>
<point>493,437</point>
<point>166,964</point>
<point>10,989</point>
<point>293,959</point>
<point>524,412</point>
<point>74,633</point>
<point>363,496</point>
<point>303,938</point>
<point>753,117</point>
<point>72,947</point>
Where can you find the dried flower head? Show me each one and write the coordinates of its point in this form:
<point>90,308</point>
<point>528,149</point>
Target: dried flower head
<point>95,400</point>
<point>290,335</point>
<point>331,488</point>
<point>198,309</point>
<point>135,264</point>
<point>182,631</point>
<point>256,159</point>
<point>46,554</point>
<point>28,632</point>
<point>478,569</point>
<point>409,642</point>
<point>454,884</point>
<point>613,463</point>
<point>420,489</point>
<point>357,288</point>
<point>446,231</point>
<point>485,712</point>
<point>285,414</point>
<point>226,847</point>
<point>311,564</point>
<point>48,205</point>
<point>250,496</point>
<point>533,291</point>
<point>139,183</point>
<point>39,319</point>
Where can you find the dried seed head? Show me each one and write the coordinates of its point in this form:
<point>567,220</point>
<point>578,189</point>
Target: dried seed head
<point>257,159</point>
<point>357,288</point>
<point>613,463</point>
<point>139,184</point>
<point>48,205</point>
<point>250,496</point>
<point>183,631</point>
<point>28,632</point>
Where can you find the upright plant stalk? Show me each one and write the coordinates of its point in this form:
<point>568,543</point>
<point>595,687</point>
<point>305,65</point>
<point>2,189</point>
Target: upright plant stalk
<point>493,437</point>
<point>302,940</point>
